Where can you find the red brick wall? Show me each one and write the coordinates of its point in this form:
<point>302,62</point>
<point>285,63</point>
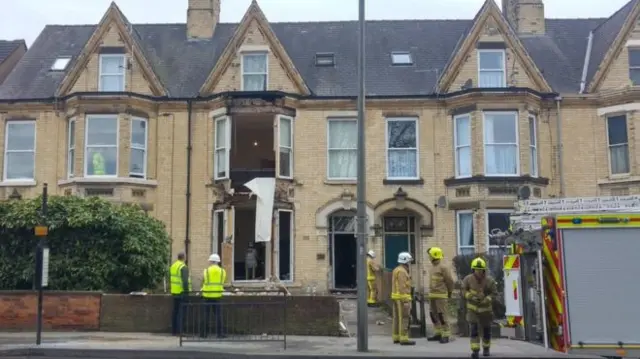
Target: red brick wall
<point>62,310</point>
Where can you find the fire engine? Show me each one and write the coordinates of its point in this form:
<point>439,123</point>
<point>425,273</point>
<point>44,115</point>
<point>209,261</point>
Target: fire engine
<point>570,275</point>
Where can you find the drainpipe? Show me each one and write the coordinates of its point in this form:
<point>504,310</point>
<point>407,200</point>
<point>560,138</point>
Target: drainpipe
<point>587,57</point>
<point>558,99</point>
<point>187,231</point>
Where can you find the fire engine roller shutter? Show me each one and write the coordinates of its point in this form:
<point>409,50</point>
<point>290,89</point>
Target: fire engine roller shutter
<point>601,266</point>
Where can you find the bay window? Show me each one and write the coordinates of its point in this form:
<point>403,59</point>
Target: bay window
<point>501,156</point>
<point>497,221</point>
<point>618,141</point>
<point>285,144</point>
<point>222,147</point>
<point>71,148</point>
<point>138,154</point>
<point>101,146</point>
<point>402,148</point>
<point>462,144</point>
<point>533,146</point>
<point>342,149</point>
<point>20,150</point>
<point>464,229</point>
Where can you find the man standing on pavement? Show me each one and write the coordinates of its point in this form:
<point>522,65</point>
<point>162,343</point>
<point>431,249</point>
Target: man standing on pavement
<point>401,297</point>
<point>372,270</point>
<point>213,281</point>
<point>180,288</point>
<point>479,289</point>
<point>440,289</point>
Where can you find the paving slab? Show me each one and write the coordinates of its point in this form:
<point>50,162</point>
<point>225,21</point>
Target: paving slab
<point>149,346</point>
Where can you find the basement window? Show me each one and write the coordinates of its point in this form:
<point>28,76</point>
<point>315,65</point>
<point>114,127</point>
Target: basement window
<point>60,64</point>
<point>401,58</point>
<point>325,59</point>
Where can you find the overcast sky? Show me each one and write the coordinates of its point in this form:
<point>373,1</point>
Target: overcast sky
<point>24,19</point>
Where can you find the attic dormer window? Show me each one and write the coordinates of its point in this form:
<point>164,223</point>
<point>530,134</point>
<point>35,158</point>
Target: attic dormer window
<point>60,64</point>
<point>401,58</point>
<point>325,59</point>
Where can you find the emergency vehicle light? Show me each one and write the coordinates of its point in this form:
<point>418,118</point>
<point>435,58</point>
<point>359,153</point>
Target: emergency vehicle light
<point>576,220</point>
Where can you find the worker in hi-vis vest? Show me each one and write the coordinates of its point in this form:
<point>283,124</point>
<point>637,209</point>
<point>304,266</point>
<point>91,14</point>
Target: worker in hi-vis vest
<point>372,287</point>
<point>213,281</point>
<point>180,288</point>
<point>98,164</point>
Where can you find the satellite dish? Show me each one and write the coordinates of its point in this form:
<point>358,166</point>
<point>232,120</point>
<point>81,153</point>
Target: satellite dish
<point>524,192</point>
<point>442,202</point>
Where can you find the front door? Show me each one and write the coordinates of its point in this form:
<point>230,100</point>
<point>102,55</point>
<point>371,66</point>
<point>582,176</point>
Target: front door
<point>399,236</point>
<point>393,245</point>
<point>343,249</point>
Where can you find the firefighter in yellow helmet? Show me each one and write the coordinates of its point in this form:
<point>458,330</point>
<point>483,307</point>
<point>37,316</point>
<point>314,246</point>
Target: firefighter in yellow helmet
<point>372,270</point>
<point>401,297</point>
<point>440,289</point>
<point>479,290</point>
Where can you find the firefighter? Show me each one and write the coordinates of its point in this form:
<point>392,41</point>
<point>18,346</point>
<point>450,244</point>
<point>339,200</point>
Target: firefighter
<point>372,269</point>
<point>440,289</point>
<point>401,297</point>
<point>479,289</point>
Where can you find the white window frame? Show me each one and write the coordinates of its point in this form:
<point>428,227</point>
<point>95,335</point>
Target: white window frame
<point>626,122</point>
<point>486,224</point>
<point>136,146</point>
<point>266,66</point>
<point>88,119</point>
<point>71,148</point>
<point>291,247</point>
<point>226,148</point>
<point>281,119</point>
<point>459,213</point>
<point>387,149</point>
<point>632,68</point>
<point>329,148</point>
<point>457,147</point>
<point>503,69</point>
<point>7,150</point>
<point>215,225</point>
<point>534,170</point>
<point>485,144</point>
<point>121,73</point>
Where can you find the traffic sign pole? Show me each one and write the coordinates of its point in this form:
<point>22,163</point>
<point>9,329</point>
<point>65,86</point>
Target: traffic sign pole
<point>42,262</point>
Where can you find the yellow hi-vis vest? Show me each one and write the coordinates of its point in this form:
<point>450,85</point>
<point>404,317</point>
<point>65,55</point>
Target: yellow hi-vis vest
<point>175,273</point>
<point>98,164</point>
<point>213,283</point>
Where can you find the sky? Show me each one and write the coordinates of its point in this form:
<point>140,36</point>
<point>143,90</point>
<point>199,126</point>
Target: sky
<point>25,19</point>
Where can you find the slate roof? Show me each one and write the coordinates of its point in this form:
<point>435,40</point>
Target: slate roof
<point>8,47</point>
<point>183,66</point>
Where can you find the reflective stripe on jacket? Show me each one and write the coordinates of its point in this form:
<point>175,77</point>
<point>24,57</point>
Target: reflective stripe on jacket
<point>401,284</point>
<point>440,281</point>
<point>175,275</point>
<point>213,283</point>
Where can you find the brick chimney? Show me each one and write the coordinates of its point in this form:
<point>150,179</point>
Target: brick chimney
<point>525,16</point>
<point>202,18</point>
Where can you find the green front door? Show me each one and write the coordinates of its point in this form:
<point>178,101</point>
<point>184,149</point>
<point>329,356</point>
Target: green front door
<point>393,245</point>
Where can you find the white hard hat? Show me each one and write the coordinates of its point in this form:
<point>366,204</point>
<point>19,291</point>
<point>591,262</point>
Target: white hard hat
<point>371,253</point>
<point>404,258</point>
<point>214,258</point>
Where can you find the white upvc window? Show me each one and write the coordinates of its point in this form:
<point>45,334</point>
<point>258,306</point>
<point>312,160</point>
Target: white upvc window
<point>222,147</point>
<point>342,149</point>
<point>285,245</point>
<point>112,72</point>
<point>402,148</point>
<point>464,232</point>
<point>138,155</point>
<point>20,150</point>
<point>71,148</point>
<point>634,66</point>
<point>501,155</point>
<point>533,146</point>
<point>618,142</point>
<point>462,145</point>
<point>497,220</point>
<point>101,146</point>
<point>491,69</point>
<point>255,71</point>
<point>285,147</point>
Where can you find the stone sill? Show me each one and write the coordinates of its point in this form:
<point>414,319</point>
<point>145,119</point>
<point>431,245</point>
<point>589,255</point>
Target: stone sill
<point>619,179</point>
<point>331,182</point>
<point>26,183</point>
<point>108,180</point>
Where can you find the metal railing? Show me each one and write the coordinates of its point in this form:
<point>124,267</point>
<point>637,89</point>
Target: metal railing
<point>257,315</point>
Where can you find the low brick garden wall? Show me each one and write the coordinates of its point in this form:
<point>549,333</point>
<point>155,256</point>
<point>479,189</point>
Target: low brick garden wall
<point>93,311</point>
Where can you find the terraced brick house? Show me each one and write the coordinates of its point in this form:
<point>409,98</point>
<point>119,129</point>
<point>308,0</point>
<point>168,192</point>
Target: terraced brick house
<point>461,114</point>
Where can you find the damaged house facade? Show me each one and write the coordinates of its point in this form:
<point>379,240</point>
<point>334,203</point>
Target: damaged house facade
<point>240,135</point>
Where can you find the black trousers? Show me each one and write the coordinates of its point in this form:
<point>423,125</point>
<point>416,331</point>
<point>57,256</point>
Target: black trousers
<point>211,308</point>
<point>176,315</point>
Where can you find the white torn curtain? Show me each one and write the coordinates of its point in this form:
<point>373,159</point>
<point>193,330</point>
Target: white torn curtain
<point>264,189</point>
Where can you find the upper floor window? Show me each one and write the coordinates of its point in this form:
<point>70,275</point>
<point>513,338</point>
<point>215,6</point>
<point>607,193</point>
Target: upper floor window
<point>618,142</point>
<point>101,145</point>
<point>138,155</point>
<point>71,148</point>
<point>342,149</point>
<point>462,144</point>
<point>491,68</point>
<point>254,71</point>
<point>501,156</point>
<point>222,147</point>
<point>112,73</point>
<point>533,146</point>
<point>19,150</point>
<point>285,145</point>
<point>402,148</point>
<point>634,66</point>
<point>464,224</point>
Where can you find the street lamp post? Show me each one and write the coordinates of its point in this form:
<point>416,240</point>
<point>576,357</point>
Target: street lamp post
<point>363,329</point>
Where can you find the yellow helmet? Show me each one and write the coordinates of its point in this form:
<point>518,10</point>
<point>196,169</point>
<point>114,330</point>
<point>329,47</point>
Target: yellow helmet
<point>478,263</point>
<point>435,253</point>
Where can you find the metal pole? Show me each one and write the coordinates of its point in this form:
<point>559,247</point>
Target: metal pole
<point>40,267</point>
<point>543,300</point>
<point>363,335</point>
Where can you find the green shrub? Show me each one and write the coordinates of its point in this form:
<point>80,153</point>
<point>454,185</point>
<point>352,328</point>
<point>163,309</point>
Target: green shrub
<point>94,245</point>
